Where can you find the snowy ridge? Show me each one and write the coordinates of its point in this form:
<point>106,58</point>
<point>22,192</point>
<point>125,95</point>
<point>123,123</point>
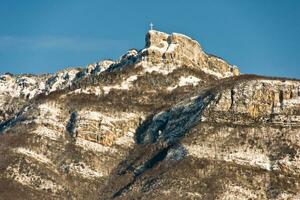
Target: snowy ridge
<point>241,157</point>
<point>32,154</point>
<point>30,86</point>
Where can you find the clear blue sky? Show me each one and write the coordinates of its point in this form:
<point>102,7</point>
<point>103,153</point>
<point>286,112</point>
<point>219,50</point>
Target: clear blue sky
<point>40,36</point>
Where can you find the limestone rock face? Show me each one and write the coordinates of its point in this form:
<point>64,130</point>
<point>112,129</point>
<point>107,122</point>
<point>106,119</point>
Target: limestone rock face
<point>218,144</point>
<point>165,122</point>
<point>173,51</point>
<point>181,50</point>
<point>264,100</point>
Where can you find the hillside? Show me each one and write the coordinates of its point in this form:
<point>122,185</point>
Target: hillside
<point>168,121</point>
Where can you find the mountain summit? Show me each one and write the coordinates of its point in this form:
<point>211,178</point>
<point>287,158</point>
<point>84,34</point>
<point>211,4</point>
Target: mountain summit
<point>178,50</point>
<point>165,122</point>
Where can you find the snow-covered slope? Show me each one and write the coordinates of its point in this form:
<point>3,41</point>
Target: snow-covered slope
<point>165,122</point>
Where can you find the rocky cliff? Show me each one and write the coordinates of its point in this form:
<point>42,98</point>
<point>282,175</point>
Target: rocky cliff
<point>166,122</point>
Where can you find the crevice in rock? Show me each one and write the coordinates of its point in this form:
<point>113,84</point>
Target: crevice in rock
<point>71,125</point>
<point>272,112</point>
<point>281,98</point>
<point>291,95</point>
<point>169,41</point>
<point>218,98</point>
<point>232,93</point>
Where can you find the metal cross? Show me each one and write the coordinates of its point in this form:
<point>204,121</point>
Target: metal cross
<point>151,26</point>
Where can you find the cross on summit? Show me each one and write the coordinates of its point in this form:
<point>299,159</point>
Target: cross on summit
<point>151,26</point>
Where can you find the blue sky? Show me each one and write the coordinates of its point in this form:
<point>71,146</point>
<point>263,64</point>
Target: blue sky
<point>259,36</point>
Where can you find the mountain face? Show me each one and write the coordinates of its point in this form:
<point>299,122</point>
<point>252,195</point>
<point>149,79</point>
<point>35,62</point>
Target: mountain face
<point>166,122</point>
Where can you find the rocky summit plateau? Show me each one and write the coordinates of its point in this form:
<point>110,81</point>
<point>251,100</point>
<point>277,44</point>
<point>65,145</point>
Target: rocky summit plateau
<point>169,121</point>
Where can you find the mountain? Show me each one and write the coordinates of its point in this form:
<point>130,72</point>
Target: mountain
<point>165,122</point>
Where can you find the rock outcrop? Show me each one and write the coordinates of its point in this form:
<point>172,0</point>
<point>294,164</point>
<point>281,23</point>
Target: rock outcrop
<point>180,50</point>
<point>218,144</point>
<point>167,52</point>
<point>165,122</point>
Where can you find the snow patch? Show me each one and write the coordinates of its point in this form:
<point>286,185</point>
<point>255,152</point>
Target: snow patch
<point>48,133</point>
<point>171,88</point>
<point>241,157</point>
<point>211,72</point>
<point>105,118</point>
<point>127,139</point>
<point>188,80</point>
<point>159,68</point>
<point>14,87</point>
<point>125,85</point>
<point>171,47</point>
<point>32,154</point>
<point>93,146</point>
<point>291,102</point>
<point>278,82</point>
<point>83,170</point>
<point>49,109</point>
